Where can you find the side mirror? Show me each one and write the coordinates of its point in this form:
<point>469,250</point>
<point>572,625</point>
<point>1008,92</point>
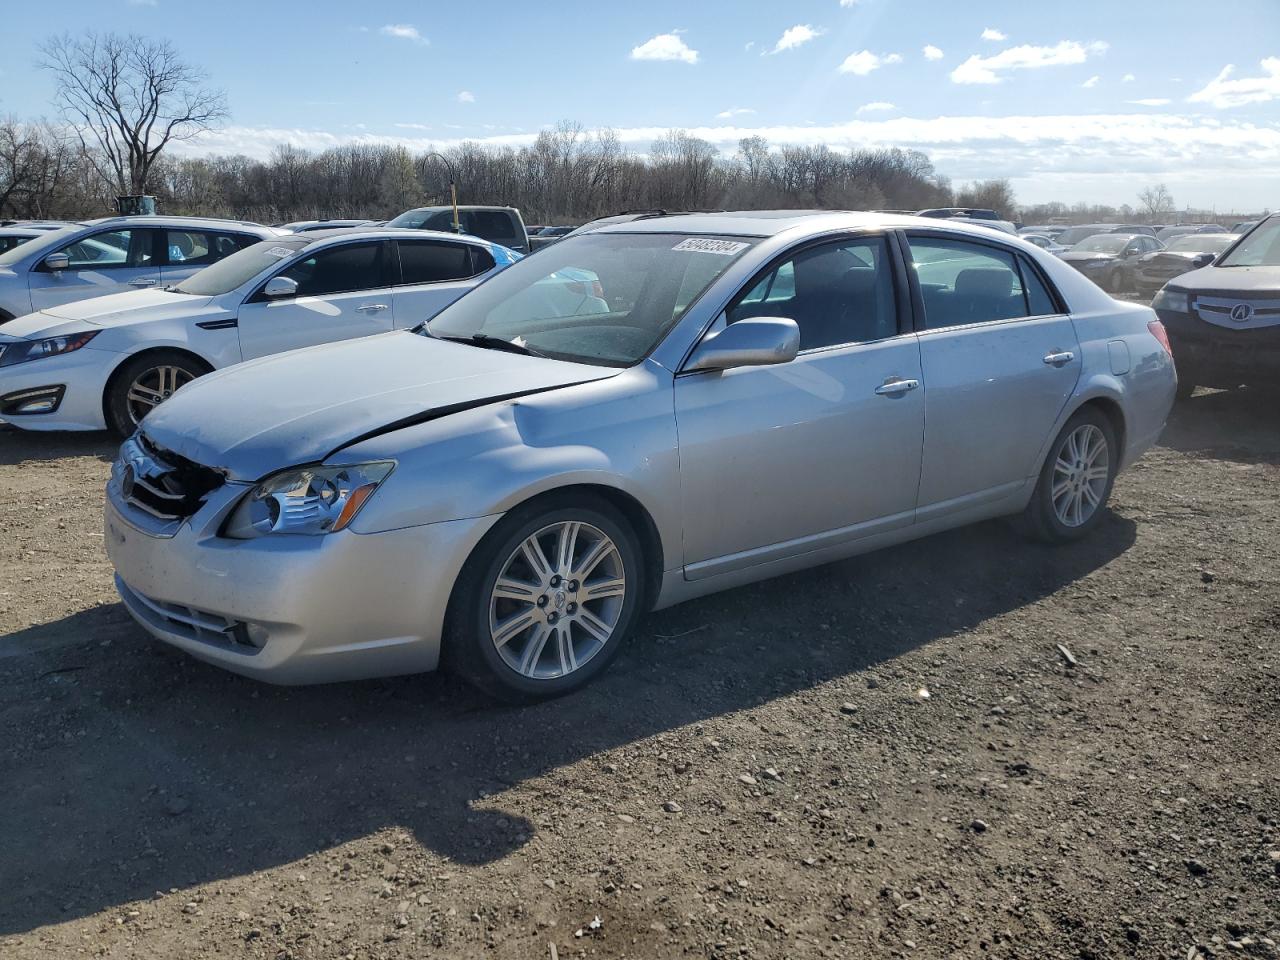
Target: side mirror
<point>57,261</point>
<point>755,342</point>
<point>1203,260</point>
<point>278,287</point>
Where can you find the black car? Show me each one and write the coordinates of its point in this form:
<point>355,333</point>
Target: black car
<point>1152,271</point>
<point>1224,320</point>
<point>1107,258</point>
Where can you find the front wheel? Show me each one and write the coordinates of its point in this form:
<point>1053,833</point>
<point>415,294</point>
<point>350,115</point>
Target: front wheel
<point>547,599</point>
<point>1075,480</point>
<point>1115,283</point>
<point>145,382</point>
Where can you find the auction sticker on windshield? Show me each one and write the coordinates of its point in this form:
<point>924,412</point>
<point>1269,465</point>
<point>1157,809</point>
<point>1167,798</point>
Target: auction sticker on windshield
<point>726,248</point>
<point>279,252</point>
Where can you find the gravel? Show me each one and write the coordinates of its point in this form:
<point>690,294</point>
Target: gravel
<point>412,817</point>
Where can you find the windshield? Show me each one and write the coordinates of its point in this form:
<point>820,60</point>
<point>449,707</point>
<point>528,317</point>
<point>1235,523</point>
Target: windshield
<point>1261,248</point>
<point>239,268</point>
<point>1102,243</point>
<point>47,242</point>
<point>1200,243</point>
<point>598,298</point>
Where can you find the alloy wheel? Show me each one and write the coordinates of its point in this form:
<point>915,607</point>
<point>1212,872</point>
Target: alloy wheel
<point>1080,472</point>
<point>557,600</point>
<point>152,387</point>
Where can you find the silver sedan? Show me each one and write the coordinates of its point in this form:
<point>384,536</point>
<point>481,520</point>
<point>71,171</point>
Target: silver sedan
<point>637,416</point>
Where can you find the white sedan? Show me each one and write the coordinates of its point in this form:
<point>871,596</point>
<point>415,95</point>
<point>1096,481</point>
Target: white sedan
<point>108,361</point>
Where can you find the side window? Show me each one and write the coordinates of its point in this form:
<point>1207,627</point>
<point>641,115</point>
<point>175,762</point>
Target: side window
<point>964,283</point>
<point>836,293</point>
<point>187,247</point>
<point>353,266</point>
<point>1040,302</point>
<point>481,260</point>
<point>113,248</point>
<point>428,261</point>
<point>491,225</point>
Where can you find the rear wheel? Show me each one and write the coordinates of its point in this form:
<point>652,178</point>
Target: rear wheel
<point>145,382</point>
<point>547,599</point>
<point>1076,479</point>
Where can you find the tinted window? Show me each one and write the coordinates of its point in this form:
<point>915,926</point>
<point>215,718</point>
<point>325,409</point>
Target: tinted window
<point>964,283</point>
<point>836,293</point>
<point>491,225</point>
<point>113,248</point>
<point>8,243</point>
<point>1039,301</point>
<point>428,261</point>
<point>481,260</point>
<point>354,266</point>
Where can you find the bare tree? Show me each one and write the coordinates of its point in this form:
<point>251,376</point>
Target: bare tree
<point>1156,202</point>
<point>127,98</point>
<point>994,195</point>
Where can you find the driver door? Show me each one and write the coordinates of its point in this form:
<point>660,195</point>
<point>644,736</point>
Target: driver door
<point>110,261</point>
<point>344,291</point>
<point>777,461</point>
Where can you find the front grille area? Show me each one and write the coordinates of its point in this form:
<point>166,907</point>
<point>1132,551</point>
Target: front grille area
<point>1238,312</point>
<point>160,483</point>
<point>188,622</point>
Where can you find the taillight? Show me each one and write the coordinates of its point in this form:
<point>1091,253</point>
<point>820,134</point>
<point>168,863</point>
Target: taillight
<point>1158,331</point>
<point>597,289</point>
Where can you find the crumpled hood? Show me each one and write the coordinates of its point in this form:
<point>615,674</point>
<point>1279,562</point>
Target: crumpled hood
<point>292,408</point>
<point>113,310</point>
<point>1256,281</point>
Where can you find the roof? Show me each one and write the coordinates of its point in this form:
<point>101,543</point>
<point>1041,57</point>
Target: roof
<point>384,233</point>
<point>157,220</point>
<point>768,223</point>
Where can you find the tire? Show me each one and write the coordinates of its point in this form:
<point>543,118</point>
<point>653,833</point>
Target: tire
<point>158,372</point>
<point>540,635</point>
<point>1055,521</point>
<point>1115,281</point>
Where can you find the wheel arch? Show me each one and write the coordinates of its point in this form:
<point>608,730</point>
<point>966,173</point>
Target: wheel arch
<point>128,358</point>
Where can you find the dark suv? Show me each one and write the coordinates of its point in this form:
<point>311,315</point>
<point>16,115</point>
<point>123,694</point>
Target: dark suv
<point>502,225</point>
<point>1224,320</point>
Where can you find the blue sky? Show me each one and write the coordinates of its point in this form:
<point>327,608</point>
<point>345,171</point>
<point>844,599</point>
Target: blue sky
<point>1089,100</point>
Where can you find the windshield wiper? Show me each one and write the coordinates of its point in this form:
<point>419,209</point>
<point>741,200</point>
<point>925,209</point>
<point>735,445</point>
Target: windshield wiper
<point>492,343</point>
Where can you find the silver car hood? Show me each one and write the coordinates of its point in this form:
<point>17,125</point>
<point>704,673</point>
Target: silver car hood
<point>254,418</point>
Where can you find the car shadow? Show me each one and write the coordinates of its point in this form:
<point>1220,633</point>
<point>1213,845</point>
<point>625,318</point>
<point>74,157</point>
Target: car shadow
<point>25,446</point>
<point>1241,425</point>
<point>130,768</point>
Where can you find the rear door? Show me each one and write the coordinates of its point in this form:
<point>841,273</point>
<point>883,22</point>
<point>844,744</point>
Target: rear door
<point>108,261</point>
<point>344,291</point>
<point>1000,359</point>
<point>184,252</point>
<point>433,274</point>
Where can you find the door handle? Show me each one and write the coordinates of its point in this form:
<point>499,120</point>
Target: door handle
<point>1059,358</point>
<point>371,307</point>
<point>895,388</point>
<point>141,282</point>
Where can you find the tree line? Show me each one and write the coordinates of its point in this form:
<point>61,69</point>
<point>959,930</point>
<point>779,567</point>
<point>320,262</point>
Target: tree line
<point>565,175</point>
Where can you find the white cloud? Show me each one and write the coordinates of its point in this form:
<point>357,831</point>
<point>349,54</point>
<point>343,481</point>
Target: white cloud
<point>848,3</point>
<point>466,96</point>
<point>796,36</point>
<point>878,107</point>
<point>1152,102</point>
<point>142,3</point>
<point>931,52</point>
<point>412,126</point>
<point>1223,92</point>
<point>991,33</point>
<point>1128,78</point>
<point>734,112</point>
<point>864,61</point>
<point>1026,57</point>
<point>665,46</point>
<point>403,31</point>
<point>750,46</point>
<point>1092,82</point>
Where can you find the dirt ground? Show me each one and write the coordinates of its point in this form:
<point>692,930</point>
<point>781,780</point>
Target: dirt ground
<point>886,757</point>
